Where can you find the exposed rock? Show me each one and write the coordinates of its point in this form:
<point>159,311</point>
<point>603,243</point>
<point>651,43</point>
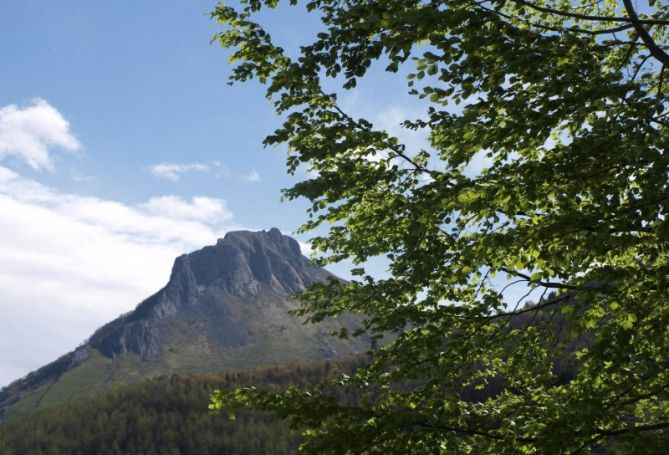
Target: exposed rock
<point>241,266</point>
<point>224,306</point>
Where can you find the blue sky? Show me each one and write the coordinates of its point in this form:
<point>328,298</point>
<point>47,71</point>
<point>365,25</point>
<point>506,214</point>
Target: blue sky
<point>122,146</point>
<point>140,84</point>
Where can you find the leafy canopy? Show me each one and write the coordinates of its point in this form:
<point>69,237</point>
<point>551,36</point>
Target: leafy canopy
<point>565,102</point>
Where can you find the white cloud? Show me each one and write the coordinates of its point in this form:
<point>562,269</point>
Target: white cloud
<point>174,171</point>
<point>252,177</point>
<point>390,119</point>
<point>477,164</point>
<point>28,133</point>
<point>202,209</point>
<point>69,263</point>
<point>306,249</point>
<point>220,171</point>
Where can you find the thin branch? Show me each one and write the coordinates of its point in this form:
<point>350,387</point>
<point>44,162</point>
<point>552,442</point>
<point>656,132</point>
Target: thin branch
<point>588,17</point>
<point>511,284</point>
<point>631,388</point>
<point>508,319</point>
<point>394,149</point>
<point>536,311</point>
<point>604,31</point>
<point>469,431</point>
<point>655,50</point>
<point>627,56</point>
<point>659,87</point>
<point>607,31</point>
<point>483,280</point>
<point>650,118</point>
<point>651,427</point>
<point>639,66</point>
<point>545,284</point>
<point>532,308</point>
<point>490,435</point>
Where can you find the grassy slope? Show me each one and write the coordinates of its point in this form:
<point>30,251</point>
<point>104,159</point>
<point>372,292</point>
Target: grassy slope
<point>277,341</point>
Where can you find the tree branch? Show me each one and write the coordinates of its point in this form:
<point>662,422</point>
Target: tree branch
<point>394,149</point>
<point>620,28</point>
<point>659,86</point>
<point>468,431</point>
<point>651,427</point>
<point>655,50</point>
<point>588,17</point>
<point>627,56</point>
<point>545,284</point>
<point>537,307</point>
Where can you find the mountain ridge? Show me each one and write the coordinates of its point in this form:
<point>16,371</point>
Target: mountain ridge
<point>242,264</point>
<point>225,307</point>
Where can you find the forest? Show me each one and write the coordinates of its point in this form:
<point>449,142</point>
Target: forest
<point>168,415</point>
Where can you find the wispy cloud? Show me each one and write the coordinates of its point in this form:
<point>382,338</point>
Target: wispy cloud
<point>69,263</point>
<point>220,171</point>
<point>253,177</point>
<point>306,249</point>
<point>29,133</point>
<point>174,171</point>
<point>388,117</point>
<point>202,209</point>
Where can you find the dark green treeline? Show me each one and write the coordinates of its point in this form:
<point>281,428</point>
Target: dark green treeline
<point>166,416</point>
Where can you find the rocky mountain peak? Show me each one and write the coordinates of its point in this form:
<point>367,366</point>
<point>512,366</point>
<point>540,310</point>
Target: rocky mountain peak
<point>226,306</point>
<point>244,262</point>
<point>239,268</point>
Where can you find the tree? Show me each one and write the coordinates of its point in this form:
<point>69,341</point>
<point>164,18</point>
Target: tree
<point>565,101</point>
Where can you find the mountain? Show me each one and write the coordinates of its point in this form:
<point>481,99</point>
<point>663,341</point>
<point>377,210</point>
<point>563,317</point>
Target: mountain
<point>225,308</point>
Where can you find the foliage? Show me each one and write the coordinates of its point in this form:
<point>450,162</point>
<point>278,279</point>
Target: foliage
<point>166,415</point>
<point>565,101</point>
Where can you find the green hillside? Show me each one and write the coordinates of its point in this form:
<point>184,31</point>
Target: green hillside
<point>226,307</point>
<point>165,415</point>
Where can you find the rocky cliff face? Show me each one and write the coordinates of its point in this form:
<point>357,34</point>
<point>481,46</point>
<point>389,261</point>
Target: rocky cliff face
<point>240,267</point>
<point>226,306</point>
